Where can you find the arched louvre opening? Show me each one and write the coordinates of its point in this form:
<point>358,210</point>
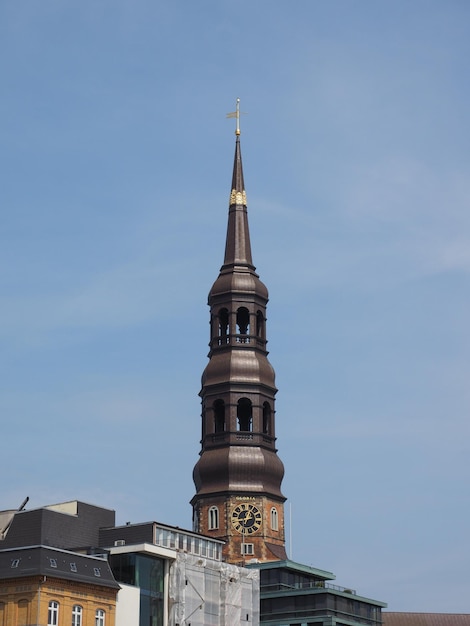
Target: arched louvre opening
<point>266,418</point>
<point>260,325</point>
<point>243,325</point>
<point>219,416</point>
<point>244,415</point>
<point>223,326</point>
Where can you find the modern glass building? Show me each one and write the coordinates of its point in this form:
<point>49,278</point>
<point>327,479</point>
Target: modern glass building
<point>292,594</point>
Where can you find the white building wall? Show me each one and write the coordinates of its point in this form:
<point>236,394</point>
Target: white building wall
<point>128,606</point>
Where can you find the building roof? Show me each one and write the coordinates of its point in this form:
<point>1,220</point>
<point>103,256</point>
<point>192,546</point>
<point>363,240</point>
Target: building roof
<point>68,526</point>
<point>425,619</point>
<point>295,567</point>
<point>55,563</point>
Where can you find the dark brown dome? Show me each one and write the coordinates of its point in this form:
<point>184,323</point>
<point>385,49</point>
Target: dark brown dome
<point>239,366</point>
<point>240,281</point>
<point>239,469</point>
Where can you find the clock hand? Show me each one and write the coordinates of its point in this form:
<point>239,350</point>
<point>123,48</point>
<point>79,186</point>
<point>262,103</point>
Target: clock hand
<point>250,516</point>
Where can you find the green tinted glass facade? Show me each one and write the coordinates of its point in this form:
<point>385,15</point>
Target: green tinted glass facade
<point>147,573</point>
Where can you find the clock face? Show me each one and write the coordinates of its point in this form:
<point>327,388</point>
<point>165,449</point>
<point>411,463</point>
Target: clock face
<point>246,519</point>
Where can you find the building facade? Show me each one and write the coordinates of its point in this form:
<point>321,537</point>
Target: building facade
<point>70,565</point>
<point>292,594</point>
<point>47,578</point>
<point>47,586</point>
<point>181,576</point>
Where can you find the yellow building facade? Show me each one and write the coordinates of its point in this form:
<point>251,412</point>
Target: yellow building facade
<point>72,598</point>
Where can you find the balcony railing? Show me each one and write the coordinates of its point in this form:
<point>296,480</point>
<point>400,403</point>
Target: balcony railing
<point>312,584</point>
<point>237,339</point>
<point>218,439</point>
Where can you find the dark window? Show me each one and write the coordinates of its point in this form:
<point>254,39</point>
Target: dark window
<point>244,415</point>
<point>243,324</point>
<point>260,324</point>
<point>223,326</point>
<point>266,418</point>
<point>219,416</point>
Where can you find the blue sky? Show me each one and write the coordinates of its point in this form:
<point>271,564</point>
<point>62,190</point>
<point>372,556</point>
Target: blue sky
<point>115,166</point>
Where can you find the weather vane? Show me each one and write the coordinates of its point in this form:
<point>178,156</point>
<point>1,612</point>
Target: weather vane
<point>236,114</point>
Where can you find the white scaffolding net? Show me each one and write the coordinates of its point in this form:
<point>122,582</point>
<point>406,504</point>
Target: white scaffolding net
<point>203,592</point>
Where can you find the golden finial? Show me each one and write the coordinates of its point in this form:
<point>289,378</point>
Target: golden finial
<point>236,114</point>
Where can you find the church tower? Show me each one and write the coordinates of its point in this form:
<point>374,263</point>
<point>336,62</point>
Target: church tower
<point>238,475</point>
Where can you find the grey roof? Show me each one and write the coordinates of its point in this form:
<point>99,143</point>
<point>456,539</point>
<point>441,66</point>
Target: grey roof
<point>68,526</point>
<point>55,563</point>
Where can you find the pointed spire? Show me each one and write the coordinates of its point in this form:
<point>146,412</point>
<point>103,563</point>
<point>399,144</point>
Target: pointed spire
<point>237,245</point>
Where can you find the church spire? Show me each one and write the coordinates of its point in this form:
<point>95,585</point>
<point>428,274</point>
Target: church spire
<point>238,475</point>
<point>237,246</point>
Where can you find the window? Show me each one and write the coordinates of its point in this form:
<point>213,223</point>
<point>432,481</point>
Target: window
<point>259,325</point>
<point>243,324</point>
<point>73,567</point>
<point>53,562</point>
<point>99,617</point>
<point>274,519</point>
<point>15,562</point>
<point>266,418</point>
<point>53,613</point>
<point>77,615</point>
<point>244,414</point>
<point>97,571</point>
<point>213,518</point>
<point>248,548</point>
<point>223,326</point>
<point>219,416</point>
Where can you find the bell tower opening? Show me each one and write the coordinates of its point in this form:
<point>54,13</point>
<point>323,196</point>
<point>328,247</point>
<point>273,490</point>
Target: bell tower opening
<point>243,325</point>
<point>223,327</point>
<point>266,418</point>
<point>219,416</point>
<point>244,415</point>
